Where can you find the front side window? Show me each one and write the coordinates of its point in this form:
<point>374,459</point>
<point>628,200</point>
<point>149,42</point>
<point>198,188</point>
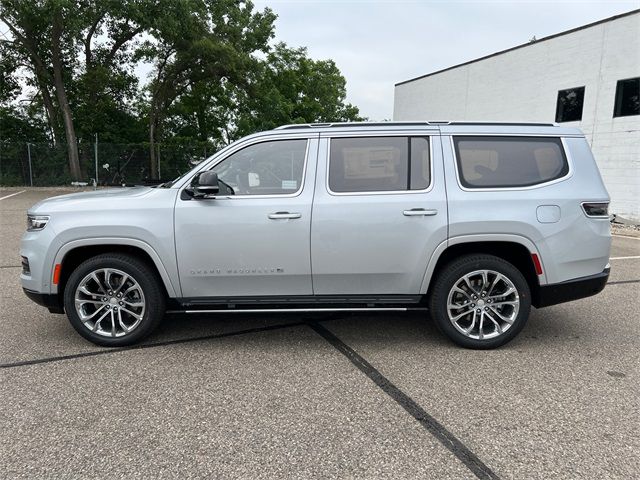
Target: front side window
<point>379,164</point>
<point>267,168</point>
<point>627,98</point>
<point>488,162</point>
<point>569,105</point>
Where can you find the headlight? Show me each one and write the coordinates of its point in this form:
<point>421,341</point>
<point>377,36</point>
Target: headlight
<point>36,222</point>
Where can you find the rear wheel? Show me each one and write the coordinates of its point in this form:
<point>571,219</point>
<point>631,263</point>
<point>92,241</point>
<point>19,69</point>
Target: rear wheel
<point>114,300</point>
<point>480,301</point>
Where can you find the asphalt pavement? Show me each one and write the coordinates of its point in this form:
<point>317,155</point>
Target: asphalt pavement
<point>320,396</point>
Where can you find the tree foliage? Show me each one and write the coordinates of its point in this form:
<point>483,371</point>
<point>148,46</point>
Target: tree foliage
<point>292,88</point>
<point>71,69</point>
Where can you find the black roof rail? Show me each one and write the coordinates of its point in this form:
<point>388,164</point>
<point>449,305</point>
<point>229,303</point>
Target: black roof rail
<point>498,124</point>
<point>349,124</point>
<point>301,125</point>
<point>408,124</point>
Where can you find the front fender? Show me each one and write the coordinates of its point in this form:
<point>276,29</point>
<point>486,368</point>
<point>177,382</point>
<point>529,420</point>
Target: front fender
<point>168,278</point>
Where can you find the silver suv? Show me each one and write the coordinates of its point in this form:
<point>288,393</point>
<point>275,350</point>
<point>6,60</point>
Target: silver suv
<point>473,222</point>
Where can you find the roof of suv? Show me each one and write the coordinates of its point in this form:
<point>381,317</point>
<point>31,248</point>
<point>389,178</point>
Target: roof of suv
<point>495,128</point>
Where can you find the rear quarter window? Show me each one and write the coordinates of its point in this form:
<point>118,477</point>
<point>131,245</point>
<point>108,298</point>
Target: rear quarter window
<point>502,162</point>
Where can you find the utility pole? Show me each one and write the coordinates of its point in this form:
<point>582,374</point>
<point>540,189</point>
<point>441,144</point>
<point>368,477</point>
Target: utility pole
<point>30,170</point>
<point>95,152</point>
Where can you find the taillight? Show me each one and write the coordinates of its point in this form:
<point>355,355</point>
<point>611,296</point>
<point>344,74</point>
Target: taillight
<point>596,209</point>
<point>536,263</point>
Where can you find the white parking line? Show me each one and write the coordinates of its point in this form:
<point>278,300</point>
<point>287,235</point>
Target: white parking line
<point>13,194</point>
<point>624,258</point>
<point>624,236</point>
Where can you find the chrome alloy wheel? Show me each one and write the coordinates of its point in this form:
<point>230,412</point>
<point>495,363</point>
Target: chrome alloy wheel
<point>110,302</point>
<point>483,304</point>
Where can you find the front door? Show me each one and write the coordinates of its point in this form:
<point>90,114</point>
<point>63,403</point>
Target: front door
<point>253,238</point>
<point>379,212</point>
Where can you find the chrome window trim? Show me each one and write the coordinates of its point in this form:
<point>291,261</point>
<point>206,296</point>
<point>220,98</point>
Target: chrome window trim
<point>214,161</point>
<point>507,189</point>
<point>385,192</point>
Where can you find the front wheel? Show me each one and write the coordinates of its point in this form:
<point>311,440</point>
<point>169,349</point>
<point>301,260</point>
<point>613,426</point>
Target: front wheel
<point>114,300</point>
<point>480,301</point>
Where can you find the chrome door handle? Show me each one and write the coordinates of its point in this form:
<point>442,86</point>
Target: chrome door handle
<point>284,215</point>
<point>416,212</point>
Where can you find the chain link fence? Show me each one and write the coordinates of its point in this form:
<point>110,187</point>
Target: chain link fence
<point>41,164</point>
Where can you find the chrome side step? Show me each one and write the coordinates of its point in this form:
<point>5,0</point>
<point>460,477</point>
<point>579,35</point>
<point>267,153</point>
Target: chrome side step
<point>299,310</point>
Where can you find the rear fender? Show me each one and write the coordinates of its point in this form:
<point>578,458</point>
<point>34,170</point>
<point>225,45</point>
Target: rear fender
<point>433,261</point>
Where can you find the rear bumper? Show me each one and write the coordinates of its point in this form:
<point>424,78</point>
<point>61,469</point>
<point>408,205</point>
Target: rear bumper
<point>571,290</point>
<point>52,302</point>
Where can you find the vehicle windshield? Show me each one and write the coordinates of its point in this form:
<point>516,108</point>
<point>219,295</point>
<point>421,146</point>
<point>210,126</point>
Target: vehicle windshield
<point>171,183</point>
<point>175,180</point>
<point>190,171</point>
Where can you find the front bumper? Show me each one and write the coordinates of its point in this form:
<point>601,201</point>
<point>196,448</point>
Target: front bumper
<point>571,289</point>
<point>51,301</point>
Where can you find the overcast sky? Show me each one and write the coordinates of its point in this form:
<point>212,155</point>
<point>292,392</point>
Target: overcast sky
<point>377,43</point>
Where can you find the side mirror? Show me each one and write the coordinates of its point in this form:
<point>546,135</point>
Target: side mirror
<point>205,183</point>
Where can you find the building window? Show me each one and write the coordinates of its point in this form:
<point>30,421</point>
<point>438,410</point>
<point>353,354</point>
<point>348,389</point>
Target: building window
<point>569,106</point>
<point>627,98</point>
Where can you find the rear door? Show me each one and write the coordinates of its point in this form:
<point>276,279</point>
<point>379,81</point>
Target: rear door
<point>379,212</point>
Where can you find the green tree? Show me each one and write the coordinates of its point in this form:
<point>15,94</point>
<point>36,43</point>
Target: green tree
<point>196,51</point>
<point>293,88</point>
<point>284,87</point>
<point>9,85</point>
<point>44,43</point>
<point>48,36</point>
<point>215,75</point>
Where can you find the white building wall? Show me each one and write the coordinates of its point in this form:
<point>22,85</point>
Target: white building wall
<point>522,86</point>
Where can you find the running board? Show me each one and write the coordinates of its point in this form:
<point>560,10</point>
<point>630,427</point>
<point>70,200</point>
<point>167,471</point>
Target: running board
<point>301,310</point>
<point>302,300</point>
<point>299,303</point>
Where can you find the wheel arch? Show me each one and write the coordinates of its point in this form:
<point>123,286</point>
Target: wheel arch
<point>72,254</point>
<point>515,249</point>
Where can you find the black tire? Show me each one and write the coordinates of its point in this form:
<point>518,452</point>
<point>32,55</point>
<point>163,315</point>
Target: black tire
<point>455,271</point>
<point>143,274</point>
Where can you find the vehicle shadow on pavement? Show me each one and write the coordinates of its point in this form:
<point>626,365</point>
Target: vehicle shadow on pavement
<point>370,330</point>
<point>376,330</point>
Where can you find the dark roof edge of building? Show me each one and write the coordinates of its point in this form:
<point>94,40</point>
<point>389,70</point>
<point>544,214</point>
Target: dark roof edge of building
<point>589,25</point>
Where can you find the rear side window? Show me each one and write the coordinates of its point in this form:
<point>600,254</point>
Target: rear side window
<point>379,164</point>
<point>486,162</point>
